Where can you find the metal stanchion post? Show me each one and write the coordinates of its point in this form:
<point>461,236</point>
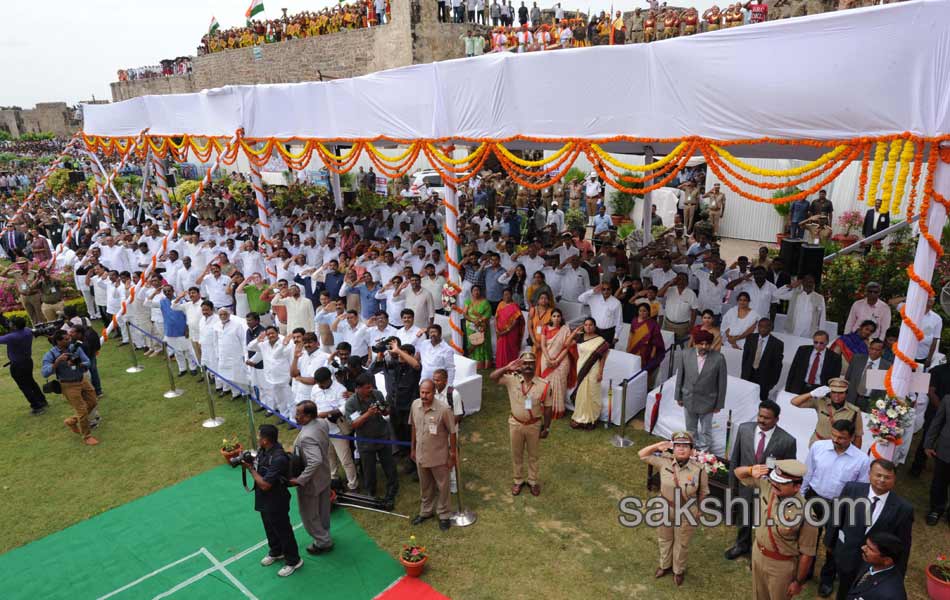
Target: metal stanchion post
<point>463,518</point>
<point>136,367</point>
<point>172,392</point>
<point>250,416</point>
<point>212,420</point>
<point>621,441</point>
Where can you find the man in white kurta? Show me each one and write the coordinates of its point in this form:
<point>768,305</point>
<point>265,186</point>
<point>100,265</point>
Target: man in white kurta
<point>806,307</point>
<point>229,339</point>
<point>276,351</point>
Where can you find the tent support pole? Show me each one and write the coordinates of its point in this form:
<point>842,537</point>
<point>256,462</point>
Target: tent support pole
<point>646,217</point>
<point>335,183</point>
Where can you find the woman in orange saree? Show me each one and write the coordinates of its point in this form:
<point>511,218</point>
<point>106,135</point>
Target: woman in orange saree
<point>509,327</point>
<point>558,360</point>
<point>646,341</point>
<point>538,317</point>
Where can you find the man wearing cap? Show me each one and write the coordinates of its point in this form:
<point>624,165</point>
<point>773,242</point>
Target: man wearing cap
<point>783,552</point>
<point>555,217</point>
<point>831,405</point>
<point>701,387</point>
<point>716,206</point>
<point>530,417</point>
<point>683,479</point>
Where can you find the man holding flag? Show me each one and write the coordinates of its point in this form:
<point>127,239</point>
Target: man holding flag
<point>256,7</point>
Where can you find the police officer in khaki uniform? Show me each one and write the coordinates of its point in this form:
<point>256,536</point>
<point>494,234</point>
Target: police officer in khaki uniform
<point>433,451</point>
<point>681,479</point>
<point>785,548</point>
<point>830,404</point>
<point>530,418</point>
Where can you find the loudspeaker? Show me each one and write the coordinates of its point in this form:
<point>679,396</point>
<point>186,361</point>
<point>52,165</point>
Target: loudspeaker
<point>789,253</point>
<point>76,177</point>
<point>349,197</point>
<point>811,261</point>
<point>170,181</point>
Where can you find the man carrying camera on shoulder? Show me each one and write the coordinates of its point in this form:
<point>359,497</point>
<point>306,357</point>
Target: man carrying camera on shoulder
<point>366,408</point>
<point>67,361</point>
<point>270,470</point>
<point>401,370</point>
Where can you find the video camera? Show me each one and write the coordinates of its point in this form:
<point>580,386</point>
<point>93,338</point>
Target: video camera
<point>382,344</point>
<point>47,329</point>
<point>246,456</point>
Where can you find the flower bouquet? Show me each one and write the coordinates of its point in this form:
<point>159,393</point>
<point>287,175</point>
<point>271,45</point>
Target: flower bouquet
<point>413,557</point>
<point>890,416</point>
<point>710,462</point>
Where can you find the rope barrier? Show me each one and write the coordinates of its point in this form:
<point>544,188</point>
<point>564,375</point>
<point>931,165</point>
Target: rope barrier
<point>145,333</point>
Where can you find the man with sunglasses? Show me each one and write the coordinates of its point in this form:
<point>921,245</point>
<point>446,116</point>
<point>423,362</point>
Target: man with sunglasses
<point>813,366</point>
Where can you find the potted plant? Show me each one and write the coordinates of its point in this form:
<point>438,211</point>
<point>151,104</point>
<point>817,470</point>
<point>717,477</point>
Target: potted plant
<point>622,203</point>
<point>413,557</point>
<point>574,220</point>
<point>231,448</point>
<point>938,578</point>
<point>849,221</point>
<point>784,209</point>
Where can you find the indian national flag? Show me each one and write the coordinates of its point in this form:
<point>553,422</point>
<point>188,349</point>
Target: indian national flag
<point>214,26</point>
<point>257,6</point>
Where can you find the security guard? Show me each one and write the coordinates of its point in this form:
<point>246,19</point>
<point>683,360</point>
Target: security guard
<point>830,404</point>
<point>530,417</point>
<point>683,478</point>
<point>784,549</point>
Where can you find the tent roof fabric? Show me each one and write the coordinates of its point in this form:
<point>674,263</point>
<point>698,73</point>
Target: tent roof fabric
<point>873,71</point>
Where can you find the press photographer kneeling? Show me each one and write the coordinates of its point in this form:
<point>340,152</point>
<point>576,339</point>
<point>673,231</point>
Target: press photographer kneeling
<point>67,361</point>
<point>271,470</point>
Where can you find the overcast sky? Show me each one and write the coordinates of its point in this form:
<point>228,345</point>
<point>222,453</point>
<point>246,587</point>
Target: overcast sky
<point>64,50</point>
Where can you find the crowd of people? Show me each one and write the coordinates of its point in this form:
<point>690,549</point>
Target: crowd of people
<point>304,323</point>
<point>355,15</point>
<point>166,68</point>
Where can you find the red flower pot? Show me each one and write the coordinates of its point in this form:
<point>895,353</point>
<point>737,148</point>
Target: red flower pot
<point>937,589</point>
<point>229,455</point>
<point>414,569</point>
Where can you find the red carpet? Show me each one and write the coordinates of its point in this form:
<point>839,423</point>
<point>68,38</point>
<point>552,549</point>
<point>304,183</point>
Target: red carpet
<point>410,588</point>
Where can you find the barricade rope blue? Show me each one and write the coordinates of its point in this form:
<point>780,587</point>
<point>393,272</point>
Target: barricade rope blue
<point>147,334</point>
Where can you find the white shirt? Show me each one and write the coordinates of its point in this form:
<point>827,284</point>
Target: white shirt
<point>762,298</point>
<point>216,290</point>
<point>678,304</point>
<point>193,316</point>
<point>329,399</point>
<point>456,404</point>
<point>758,435</point>
<point>440,356</point>
<point>592,188</point>
<point>531,265</point>
<point>356,337</point>
<point>276,359</point>
<point>606,313</point>
<point>574,282</point>
<point>307,364</point>
<point>710,294</point>
<point>878,508</point>
<point>410,336</point>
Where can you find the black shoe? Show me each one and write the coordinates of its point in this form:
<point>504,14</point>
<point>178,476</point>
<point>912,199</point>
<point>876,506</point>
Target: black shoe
<point>825,589</point>
<point>415,475</point>
<point>312,549</point>
<point>196,372</point>
<point>735,552</point>
<point>419,519</point>
<point>389,504</point>
<point>182,373</point>
<point>932,518</point>
<point>409,468</point>
<point>444,524</point>
<point>258,408</point>
<point>39,410</point>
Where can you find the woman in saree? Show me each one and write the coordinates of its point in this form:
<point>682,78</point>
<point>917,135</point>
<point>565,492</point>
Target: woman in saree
<point>591,355</point>
<point>538,317</point>
<point>509,327</point>
<point>558,359</point>
<point>708,323</point>
<point>853,343</point>
<point>646,341</point>
<point>477,316</point>
<point>739,322</point>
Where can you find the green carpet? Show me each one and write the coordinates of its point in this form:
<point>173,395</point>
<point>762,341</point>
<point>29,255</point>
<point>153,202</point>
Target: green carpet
<point>168,544</point>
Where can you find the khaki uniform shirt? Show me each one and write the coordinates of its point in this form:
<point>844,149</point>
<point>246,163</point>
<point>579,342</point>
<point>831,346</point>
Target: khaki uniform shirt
<point>527,400</point>
<point>827,415</point>
<point>433,426</point>
<point>689,481</point>
<point>788,541</point>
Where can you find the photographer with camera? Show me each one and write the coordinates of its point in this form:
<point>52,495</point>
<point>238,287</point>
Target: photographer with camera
<point>271,470</point>
<point>366,409</point>
<point>89,341</point>
<point>402,371</point>
<point>67,361</point>
<point>19,342</point>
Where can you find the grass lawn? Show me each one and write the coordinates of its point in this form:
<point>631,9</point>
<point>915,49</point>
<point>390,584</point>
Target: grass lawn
<point>567,543</point>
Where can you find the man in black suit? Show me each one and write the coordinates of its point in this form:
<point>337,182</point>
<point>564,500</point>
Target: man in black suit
<point>886,513</point>
<point>762,359</point>
<point>875,221</point>
<point>12,241</point>
<point>856,374</point>
<point>813,366</point>
<point>879,579</point>
<point>756,443</point>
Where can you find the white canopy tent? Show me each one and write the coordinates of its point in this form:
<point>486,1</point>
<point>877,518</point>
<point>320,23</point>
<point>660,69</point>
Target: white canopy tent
<point>783,89</point>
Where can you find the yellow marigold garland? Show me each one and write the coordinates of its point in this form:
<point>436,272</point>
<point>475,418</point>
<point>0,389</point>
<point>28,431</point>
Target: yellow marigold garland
<point>434,151</point>
<point>393,159</point>
<point>907,158</point>
<point>879,153</point>
<point>821,160</point>
<point>887,188</point>
<point>606,156</point>
<point>533,163</point>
